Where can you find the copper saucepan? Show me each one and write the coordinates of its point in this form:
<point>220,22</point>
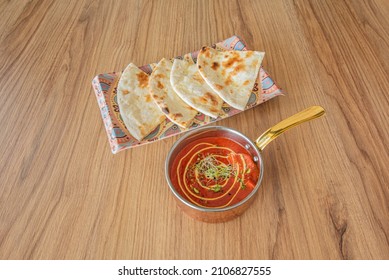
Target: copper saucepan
<point>214,215</point>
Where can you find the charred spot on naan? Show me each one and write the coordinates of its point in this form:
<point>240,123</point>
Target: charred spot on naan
<point>143,79</point>
<point>203,100</point>
<point>204,48</point>
<point>249,54</point>
<point>148,98</point>
<point>233,58</point>
<point>211,97</point>
<point>125,92</point>
<point>197,77</point>
<point>215,65</point>
<point>190,108</point>
<point>160,85</point>
<point>206,51</point>
<point>228,81</point>
<point>188,57</point>
<point>246,82</point>
<point>159,96</point>
<point>160,76</point>
<point>239,68</point>
<point>177,116</point>
<point>219,87</point>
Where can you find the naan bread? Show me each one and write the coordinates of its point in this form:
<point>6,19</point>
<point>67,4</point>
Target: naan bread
<point>167,99</point>
<point>192,88</point>
<point>231,74</point>
<point>137,108</point>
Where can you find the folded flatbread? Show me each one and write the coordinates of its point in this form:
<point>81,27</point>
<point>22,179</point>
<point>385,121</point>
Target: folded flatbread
<point>232,74</point>
<point>167,99</point>
<point>139,112</point>
<point>192,88</point>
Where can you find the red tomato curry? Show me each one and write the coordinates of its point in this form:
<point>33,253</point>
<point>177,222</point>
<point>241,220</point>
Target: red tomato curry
<point>214,172</point>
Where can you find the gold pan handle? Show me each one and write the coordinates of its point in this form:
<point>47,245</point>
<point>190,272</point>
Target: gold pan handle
<point>299,118</point>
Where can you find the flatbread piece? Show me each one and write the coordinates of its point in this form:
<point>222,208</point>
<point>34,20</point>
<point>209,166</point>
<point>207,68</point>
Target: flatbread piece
<point>139,112</point>
<point>167,99</point>
<point>192,88</point>
<point>232,74</point>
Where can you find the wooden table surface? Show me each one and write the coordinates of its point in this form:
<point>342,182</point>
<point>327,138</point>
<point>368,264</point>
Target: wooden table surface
<point>64,195</point>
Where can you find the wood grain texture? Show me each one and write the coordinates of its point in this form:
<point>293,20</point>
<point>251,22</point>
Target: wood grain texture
<point>63,195</point>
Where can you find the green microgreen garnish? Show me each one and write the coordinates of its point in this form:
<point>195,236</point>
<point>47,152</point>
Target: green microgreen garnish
<point>212,169</point>
<point>216,188</point>
<point>242,184</point>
